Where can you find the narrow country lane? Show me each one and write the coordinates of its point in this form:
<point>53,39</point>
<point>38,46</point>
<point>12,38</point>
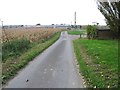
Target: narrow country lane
<point>54,68</point>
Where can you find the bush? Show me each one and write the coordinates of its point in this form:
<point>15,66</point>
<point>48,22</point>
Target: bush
<point>91,32</point>
<point>14,48</point>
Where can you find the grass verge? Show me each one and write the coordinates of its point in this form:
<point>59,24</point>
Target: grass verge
<point>98,60</point>
<point>11,67</point>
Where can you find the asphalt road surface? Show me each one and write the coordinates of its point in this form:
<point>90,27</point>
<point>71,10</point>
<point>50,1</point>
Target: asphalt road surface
<point>54,68</point>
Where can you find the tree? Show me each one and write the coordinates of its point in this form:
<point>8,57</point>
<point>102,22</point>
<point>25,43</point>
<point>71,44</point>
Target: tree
<point>111,12</point>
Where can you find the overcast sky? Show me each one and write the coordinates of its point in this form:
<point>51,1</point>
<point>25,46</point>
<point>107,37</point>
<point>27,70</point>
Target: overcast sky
<point>31,12</point>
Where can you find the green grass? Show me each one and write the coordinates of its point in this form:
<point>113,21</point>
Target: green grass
<point>76,32</point>
<point>12,66</point>
<point>14,48</point>
<point>98,60</point>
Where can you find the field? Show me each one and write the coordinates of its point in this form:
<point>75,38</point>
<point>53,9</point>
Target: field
<point>21,45</point>
<point>98,60</point>
<point>76,32</point>
<point>32,34</point>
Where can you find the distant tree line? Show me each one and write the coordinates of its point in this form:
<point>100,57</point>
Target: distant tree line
<point>12,26</point>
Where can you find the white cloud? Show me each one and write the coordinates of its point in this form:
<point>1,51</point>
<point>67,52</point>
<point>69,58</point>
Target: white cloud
<point>49,11</point>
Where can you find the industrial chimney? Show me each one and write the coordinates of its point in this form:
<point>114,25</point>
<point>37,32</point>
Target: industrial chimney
<point>75,19</point>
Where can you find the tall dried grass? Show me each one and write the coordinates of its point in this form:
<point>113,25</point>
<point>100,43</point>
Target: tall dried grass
<point>32,34</point>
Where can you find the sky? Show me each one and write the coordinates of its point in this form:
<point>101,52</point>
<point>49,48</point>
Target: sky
<point>47,12</point>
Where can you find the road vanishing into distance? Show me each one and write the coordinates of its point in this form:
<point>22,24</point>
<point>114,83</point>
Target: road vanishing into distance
<point>54,68</point>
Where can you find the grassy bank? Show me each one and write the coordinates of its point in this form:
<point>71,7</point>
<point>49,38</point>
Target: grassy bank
<point>98,60</point>
<point>11,66</point>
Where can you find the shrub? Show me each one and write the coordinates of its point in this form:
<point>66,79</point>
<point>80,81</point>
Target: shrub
<point>91,32</point>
